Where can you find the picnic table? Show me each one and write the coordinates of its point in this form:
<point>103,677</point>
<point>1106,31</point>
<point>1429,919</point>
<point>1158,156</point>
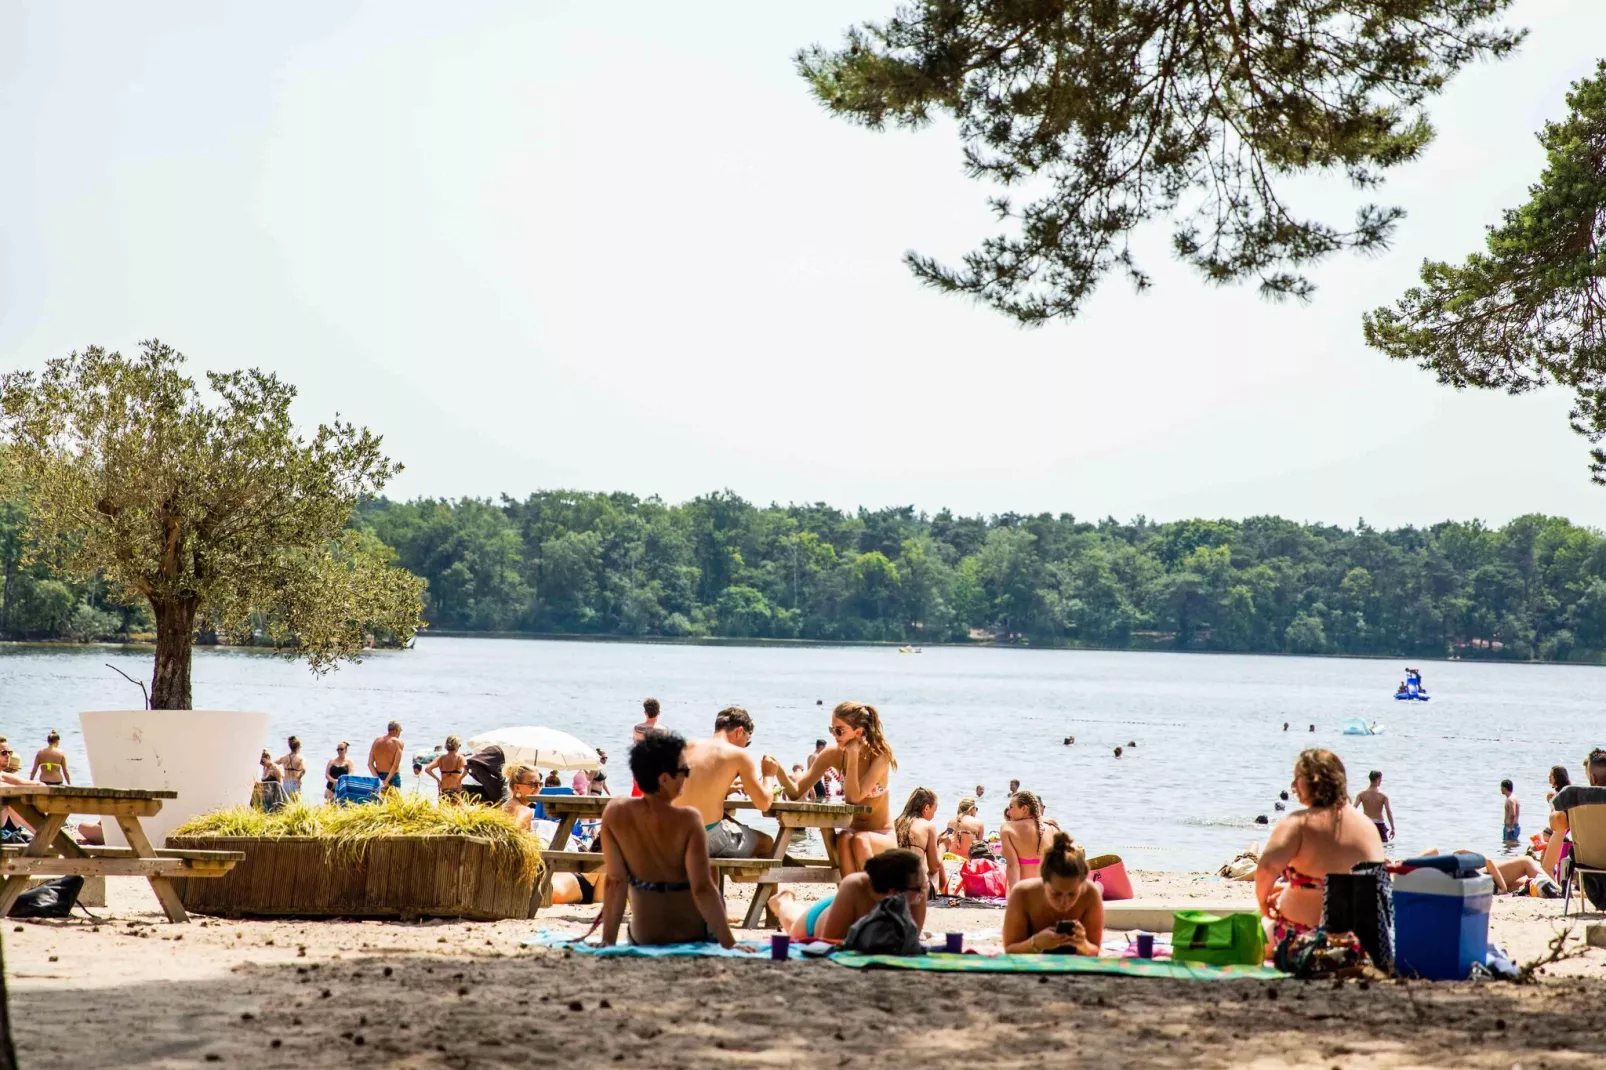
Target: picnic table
<point>766,873</point>
<point>53,853</point>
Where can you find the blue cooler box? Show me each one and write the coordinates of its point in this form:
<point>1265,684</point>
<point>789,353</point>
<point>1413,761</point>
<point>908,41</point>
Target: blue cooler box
<point>1441,923</point>
<point>356,789</point>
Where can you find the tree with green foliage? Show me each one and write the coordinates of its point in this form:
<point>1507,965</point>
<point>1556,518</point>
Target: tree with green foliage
<point>1532,310</point>
<point>1113,113</point>
<point>215,513</point>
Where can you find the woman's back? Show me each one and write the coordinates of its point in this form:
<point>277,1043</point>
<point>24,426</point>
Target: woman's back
<point>1027,840</point>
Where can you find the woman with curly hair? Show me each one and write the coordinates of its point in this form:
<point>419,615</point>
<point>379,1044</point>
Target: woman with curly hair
<point>860,751</point>
<point>1025,837</point>
<point>1328,836</point>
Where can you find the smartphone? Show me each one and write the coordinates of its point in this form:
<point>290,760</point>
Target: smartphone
<point>1066,928</point>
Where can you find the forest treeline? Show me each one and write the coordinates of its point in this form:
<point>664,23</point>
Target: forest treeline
<point>569,562</point>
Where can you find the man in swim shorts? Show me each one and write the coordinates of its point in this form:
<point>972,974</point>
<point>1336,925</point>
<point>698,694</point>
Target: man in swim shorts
<point>717,765</point>
<point>385,757</point>
<point>1374,804</point>
<point>1510,824</point>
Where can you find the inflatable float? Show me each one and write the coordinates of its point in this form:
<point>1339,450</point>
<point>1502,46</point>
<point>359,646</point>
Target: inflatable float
<point>1357,727</point>
<point>1411,689</point>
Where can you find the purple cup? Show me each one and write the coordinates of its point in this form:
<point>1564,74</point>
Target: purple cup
<point>1145,945</point>
<point>780,946</point>
<point>954,943</point>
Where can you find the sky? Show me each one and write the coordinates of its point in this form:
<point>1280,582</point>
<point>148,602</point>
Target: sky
<point>619,247</point>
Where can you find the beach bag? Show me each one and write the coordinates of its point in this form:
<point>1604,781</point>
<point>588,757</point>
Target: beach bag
<point>1362,902</point>
<point>1109,873</point>
<point>1318,953</point>
<point>983,878</point>
<point>1217,939</point>
<point>889,929</point>
<point>52,899</point>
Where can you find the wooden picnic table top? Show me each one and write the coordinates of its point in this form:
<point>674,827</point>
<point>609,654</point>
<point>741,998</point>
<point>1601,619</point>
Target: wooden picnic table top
<point>69,791</point>
<point>593,805</point>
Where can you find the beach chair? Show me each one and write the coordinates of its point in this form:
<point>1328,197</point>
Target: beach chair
<point>1587,825</point>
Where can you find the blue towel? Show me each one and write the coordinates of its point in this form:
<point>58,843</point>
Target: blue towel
<point>743,950</point>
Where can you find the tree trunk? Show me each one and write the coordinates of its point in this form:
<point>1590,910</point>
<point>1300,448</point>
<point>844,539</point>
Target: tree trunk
<point>175,636</point>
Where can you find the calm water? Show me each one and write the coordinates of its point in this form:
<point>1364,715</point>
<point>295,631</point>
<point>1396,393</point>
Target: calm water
<point>1211,753</point>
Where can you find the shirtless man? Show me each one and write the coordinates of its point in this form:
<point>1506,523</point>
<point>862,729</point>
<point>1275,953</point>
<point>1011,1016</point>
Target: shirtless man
<point>50,764</point>
<point>718,764</point>
<point>447,769</point>
<point>649,713</point>
<point>385,757</point>
<point>657,856</point>
<point>1374,804</point>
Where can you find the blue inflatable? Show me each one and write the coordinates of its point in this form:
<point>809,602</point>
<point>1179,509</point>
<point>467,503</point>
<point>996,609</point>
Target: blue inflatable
<point>1411,689</point>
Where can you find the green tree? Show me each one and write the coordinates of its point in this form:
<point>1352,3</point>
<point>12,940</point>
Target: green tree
<point>212,512</point>
<point>1117,112</point>
<point>1532,310</point>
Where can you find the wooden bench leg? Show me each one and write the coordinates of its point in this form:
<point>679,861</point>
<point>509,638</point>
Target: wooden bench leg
<point>166,894</point>
<point>43,846</point>
<point>762,892</point>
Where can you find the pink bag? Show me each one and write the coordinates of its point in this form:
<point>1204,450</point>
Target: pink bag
<point>1111,877</point>
<point>983,878</point>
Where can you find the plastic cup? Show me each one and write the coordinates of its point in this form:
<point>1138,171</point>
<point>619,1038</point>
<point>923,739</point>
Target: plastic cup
<point>1145,945</point>
<point>780,945</point>
<point>953,943</point>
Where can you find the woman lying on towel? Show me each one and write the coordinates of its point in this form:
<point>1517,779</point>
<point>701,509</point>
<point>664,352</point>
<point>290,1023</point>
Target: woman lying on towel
<point>900,871</point>
<point>1059,912</point>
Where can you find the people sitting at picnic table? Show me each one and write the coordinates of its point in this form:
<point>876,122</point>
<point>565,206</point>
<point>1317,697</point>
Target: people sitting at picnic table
<point>1560,844</point>
<point>1328,836</point>
<point>1024,836</point>
<point>899,871</point>
<point>864,756</point>
<point>1060,911</point>
<point>718,764</point>
<point>657,856</point>
<point>916,829</point>
<point>523,782</point>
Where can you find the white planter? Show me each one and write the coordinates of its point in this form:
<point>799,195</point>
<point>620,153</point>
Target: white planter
<point>210,757</point>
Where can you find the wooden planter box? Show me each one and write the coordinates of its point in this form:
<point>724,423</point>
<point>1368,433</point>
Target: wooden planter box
<point>404,877</point>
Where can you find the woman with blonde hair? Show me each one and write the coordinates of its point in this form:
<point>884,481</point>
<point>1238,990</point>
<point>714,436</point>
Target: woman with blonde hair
<point>1025,837</point>
<point>294,768</point>
<point>861,752</point>
<point>965,830</point>
<point>914,829</point>
<point>447,770</point>
<point>1059,912</point>
<point>523,784</point>
<point>1328,836</point>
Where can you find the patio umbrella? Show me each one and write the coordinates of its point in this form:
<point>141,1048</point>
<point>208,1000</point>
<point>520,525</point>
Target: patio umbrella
<point>545,747</point>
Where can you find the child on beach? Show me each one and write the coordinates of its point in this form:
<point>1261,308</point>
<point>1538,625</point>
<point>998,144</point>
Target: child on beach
<point>1511,827</point>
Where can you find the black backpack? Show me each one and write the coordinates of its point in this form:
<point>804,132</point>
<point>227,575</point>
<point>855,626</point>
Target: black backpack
<point>889,929</point>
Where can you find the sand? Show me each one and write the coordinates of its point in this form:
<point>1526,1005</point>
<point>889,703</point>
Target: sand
<point>135,991</point>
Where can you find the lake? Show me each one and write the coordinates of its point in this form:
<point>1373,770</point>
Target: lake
<point>1211,752</point>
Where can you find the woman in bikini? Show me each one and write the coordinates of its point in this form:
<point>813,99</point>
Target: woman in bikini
<point>1328,836</point>
<point>1059,912</point>
<point>523,784</point>
<point>1025,836</point>
<point>965,830</point>
<point>337,767</point>
<point>915,829</point>
<point>657,856</point>
<point>900,871</point>
<point>447,770</point>
<point>294,769</point>
<point>50,764</point>
<point>865,758</point>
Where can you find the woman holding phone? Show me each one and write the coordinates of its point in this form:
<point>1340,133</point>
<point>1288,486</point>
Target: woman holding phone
<point>1061,911</point>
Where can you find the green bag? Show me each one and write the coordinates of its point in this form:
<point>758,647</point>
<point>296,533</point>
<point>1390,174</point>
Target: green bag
<point>1217,940</point>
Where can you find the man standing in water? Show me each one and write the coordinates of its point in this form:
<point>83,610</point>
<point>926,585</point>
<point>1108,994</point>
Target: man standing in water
<point>717,764</point>
<point>1374,804</point>
<point>649,712</point>
<point>385,757</point>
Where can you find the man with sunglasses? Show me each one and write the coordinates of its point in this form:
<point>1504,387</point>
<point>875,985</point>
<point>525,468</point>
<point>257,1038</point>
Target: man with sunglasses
<point>718,765</point>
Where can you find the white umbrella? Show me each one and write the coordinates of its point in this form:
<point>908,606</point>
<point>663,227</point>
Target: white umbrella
<point>545,747</point>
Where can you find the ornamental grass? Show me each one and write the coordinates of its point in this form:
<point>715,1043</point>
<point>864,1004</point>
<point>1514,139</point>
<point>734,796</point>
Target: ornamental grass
<point>350,830</point>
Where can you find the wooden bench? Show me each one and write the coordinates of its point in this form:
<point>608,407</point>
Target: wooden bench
<point>740,870</point>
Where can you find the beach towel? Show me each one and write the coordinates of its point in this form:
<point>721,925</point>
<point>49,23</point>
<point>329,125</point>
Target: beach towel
<point>965,902</point>
<point>944,963</point>
<point>743,949</point>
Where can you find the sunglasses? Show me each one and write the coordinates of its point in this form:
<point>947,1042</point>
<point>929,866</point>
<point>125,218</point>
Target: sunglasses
<point>683,771</point>
<point>839,732</point>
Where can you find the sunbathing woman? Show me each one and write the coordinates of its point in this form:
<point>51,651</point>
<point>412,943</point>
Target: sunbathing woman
<point>1328,836</point>
<point>657,856</point>
<point>900,871</point>
<point>1061,911</point>
<point>865,758</point>
<point>965,829</point>
<point>1512,875</point>
<point>523,784</point>
<point>915,831</point>
<point>581,888</point>
<point>1025,836</point>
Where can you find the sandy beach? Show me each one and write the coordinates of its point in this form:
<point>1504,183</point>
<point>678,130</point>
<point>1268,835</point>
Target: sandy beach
<point>131,990</point>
